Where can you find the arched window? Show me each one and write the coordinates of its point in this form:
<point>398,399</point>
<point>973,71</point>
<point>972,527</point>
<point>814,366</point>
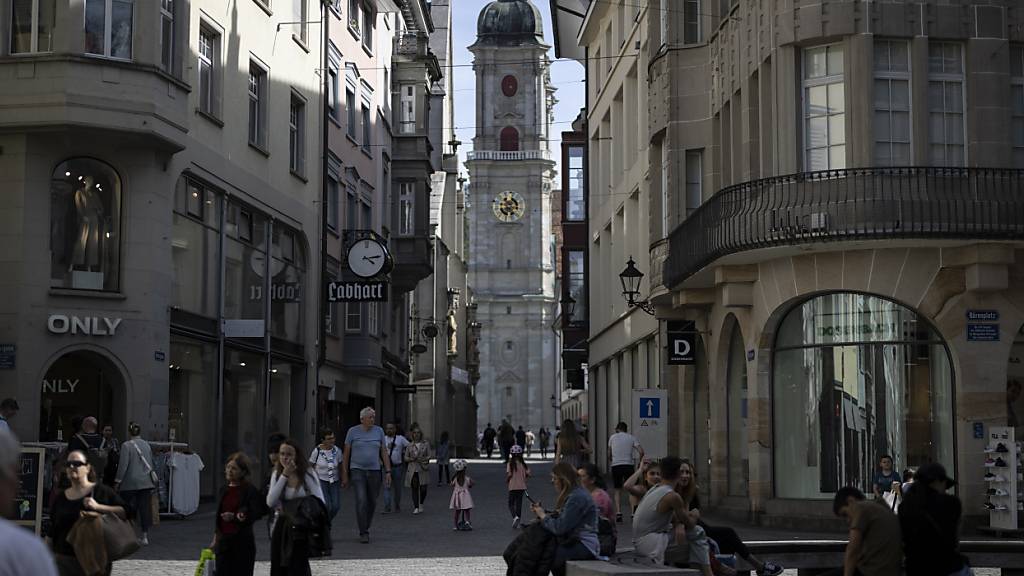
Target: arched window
<point>85,225</point>
<point>856,377</point>
<point>736,378</point>
<point>509,139</point>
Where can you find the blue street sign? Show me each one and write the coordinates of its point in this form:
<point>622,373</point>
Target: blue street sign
<point>983,332</point>
<point>650,407</point>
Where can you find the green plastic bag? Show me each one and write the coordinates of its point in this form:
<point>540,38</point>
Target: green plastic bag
<point>207,563</point>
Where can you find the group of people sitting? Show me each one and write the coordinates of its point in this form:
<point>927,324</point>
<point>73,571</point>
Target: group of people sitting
<point>667,527</point>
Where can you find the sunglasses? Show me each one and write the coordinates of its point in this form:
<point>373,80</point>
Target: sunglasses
<point>76,464</point>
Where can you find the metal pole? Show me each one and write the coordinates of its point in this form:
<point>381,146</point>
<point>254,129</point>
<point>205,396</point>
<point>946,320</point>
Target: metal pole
<point>325,19</point>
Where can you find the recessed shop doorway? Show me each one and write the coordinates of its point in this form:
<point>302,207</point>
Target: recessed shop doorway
<point>79,384</point>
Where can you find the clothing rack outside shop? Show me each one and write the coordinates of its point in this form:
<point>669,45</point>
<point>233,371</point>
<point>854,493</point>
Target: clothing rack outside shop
<point>169,447</point>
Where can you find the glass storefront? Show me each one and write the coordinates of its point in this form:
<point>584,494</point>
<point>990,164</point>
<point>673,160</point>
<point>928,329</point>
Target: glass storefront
<point>856,377</point>
<point>192,400</point>
<point>736,375</point>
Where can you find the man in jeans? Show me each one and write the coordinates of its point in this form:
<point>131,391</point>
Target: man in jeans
<point>363,457</point>
<point>395,444</point>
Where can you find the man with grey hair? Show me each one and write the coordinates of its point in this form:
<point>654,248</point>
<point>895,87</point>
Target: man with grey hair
<point>363,457</point>
<point>90,442</point>
<point>21,552</point>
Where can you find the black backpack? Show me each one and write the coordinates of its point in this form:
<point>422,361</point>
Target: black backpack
<point>606,536</point>
<point>309,518</point>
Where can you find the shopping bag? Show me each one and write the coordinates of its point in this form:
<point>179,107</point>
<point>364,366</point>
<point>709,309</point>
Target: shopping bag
<point>207,563</point>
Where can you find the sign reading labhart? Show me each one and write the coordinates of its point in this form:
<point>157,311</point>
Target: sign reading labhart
<point>357,291</point>
<point>650,421</point>
<point>983,332</point>
<point>682,342</point>
<point>983,315</point>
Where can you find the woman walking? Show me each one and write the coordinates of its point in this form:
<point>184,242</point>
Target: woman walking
<point>516,473</point>
<point>576,521</point>
<point>291,480</point>
<point>443,457</point>
<point>570,446</point>
<point>417,470</point>
<point>544,439</point>
<point>134,479</point>
<point>239,506</point>
<point>84,494</point>
<point>326,462</point>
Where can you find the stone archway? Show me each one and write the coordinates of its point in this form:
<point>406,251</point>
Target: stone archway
<point>78,383</point>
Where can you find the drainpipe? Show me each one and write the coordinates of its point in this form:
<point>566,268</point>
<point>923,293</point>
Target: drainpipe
<point>325,19</point>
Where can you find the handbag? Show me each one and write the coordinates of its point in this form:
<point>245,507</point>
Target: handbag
<point>118,535</point>
<point>152,473</point>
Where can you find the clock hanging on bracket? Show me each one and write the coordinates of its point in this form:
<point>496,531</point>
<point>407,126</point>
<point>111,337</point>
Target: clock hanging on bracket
<point>368,257</point>
<point>509,85</point>
<point>508,206</point>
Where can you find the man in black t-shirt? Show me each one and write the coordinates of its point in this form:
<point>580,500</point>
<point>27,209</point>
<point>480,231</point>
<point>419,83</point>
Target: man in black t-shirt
<point>930,522</point>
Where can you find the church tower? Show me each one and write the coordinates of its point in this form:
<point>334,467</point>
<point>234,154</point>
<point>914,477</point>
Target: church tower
<point>512,252</point>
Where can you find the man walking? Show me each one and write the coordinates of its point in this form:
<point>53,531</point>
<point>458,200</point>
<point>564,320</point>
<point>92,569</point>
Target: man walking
<point>506,439</point>
<point>8,409</point>
<point>488,444</point>
<point>624,451</point>
<point>521,438</point>
<point>362,459</point>
<point>875,545</point>
<point>530,439</point>
<point>395,444</point>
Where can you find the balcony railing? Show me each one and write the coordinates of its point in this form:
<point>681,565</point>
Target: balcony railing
<point>852,204</point>
<point>502,155</point>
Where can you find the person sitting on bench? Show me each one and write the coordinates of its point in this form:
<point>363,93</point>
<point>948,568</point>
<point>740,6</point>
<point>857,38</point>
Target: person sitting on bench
<point>875,547</point>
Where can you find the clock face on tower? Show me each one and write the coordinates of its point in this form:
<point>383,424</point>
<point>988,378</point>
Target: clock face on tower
<point>509,85</point>
<point>508,206</point>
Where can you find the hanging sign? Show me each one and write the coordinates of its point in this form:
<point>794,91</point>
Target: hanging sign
<point>682,342</point>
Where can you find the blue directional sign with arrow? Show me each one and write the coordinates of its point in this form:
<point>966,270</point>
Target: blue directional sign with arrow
<point>650,420</point>
<point>650,407</point>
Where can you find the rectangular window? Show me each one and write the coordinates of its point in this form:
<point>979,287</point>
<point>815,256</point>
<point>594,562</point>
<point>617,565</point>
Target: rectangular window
<point>353,317</point>
<point>666,195</point>
<point>209,71</point>
<point>352,210</point>
<point>257,105</point>
<point>694,180</point>
<point>353,15</point>
<point>373,318</point>
<point>406,208</point>
<point>333,98</point>
<point>824,109</point>
<point>367,218</point>
<point>300,15</point>
<point>350,104</point>
<point>946,104</point>
<point>297,136</point>
<point>368,17</point>
<point>331,314</point>
<point>892,103</point>
<point>167,35</point>
<point>577,285</point>
<point>1017,106</point>
<point>32,23</point>
<point>576,205</point>
<point>333,204</point>
<point>407,103</point>
<point>367,128</point>
<point>108,28</point>
<point>691,21</point>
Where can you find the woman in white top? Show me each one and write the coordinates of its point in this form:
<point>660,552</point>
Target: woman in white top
<point>326,462</point>
<point>291,479</point>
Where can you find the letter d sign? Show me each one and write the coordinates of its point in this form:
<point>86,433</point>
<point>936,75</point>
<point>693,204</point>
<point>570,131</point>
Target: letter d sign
<point>682,339</point>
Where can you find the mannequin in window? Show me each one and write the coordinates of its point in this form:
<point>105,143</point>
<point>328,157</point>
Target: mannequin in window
<point>452,329</point>
<point>89,241</point>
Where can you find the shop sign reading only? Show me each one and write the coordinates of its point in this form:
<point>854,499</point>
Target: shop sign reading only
<point>89,326</point>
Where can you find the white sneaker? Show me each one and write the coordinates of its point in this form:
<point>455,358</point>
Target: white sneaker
<point>417,510</point>
<point>144,540</point>
<point>515,522</point>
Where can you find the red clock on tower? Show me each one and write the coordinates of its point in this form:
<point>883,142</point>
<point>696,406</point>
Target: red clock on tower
<point>509,85</point>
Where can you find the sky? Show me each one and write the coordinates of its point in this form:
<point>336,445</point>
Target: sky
<point>567,76</point>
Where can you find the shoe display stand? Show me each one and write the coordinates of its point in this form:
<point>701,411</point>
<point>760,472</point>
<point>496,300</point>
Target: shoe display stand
<point>1002,478</point>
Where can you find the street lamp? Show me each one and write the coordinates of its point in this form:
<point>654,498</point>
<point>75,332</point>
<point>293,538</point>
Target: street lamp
<point>568,304</point>
<point>554,401</point>
<point>630,278</point>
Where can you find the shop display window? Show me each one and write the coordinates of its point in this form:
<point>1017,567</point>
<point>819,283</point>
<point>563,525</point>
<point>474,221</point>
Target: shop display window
<point>192,400</point>
<point>85,225</point>
<point>856,377</point>
<point>243,408</point>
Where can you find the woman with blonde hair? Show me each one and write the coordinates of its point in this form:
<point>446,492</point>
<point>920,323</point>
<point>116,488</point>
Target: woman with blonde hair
<point>417,473</point>
<point>575,523</point>
<point>570,446</point>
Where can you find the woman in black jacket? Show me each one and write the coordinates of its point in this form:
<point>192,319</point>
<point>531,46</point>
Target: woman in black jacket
<point>930,522</point>
<point>240,506</point>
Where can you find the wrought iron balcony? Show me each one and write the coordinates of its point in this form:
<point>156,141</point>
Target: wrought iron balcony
<point>851,204</point>
<point>506,155</point>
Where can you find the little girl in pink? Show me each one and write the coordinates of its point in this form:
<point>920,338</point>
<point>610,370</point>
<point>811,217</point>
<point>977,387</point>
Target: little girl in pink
<point>462,500</point>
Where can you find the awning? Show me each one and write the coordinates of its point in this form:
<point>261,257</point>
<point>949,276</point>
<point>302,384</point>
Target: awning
<point>567,18</point>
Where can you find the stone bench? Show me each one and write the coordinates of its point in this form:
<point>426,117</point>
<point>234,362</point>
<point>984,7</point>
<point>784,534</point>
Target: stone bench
<point>624,563</point>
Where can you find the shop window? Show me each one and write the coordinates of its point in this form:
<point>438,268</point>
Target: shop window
<point>509,139</point>
<point>736,375</point>
<point>824,108</point>
<point>108,28</point>
<point>32,23</point>
<point>192,399</point>
<point>287,285</point>
<point>241,422</point>
<point>85,225</point>
<point>855,377</point>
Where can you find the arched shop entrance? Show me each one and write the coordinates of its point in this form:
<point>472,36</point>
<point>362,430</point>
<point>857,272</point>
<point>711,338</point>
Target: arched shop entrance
<point>854,377</point>
<point>80,383</point>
